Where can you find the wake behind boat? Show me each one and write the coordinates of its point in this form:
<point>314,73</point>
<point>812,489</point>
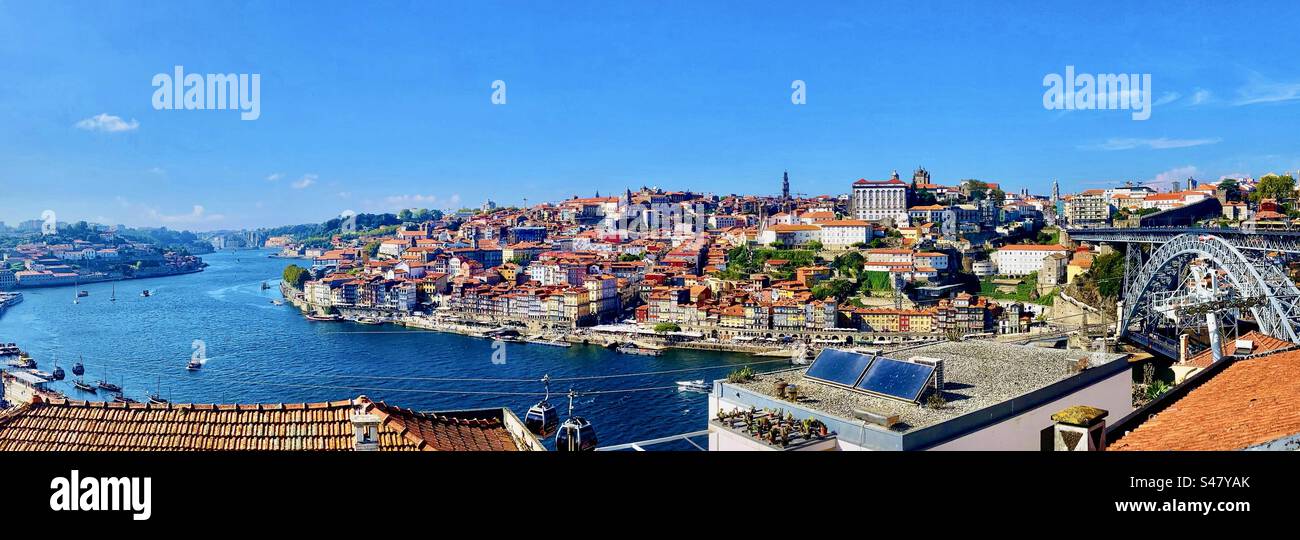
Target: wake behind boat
<point>697,385</point>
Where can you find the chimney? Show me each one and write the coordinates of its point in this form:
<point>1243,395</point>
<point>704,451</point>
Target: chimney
<point>365,426</point>
<point>1079,429</point>
<point>1183,357</point>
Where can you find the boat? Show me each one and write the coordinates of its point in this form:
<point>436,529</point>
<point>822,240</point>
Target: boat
<point>368,320</point>
<point>83,294</point>
<point>697,385</point>
<point>322,318</point>
<point>42,374</point>
<point>156,397</point>
<point>553,343</point>
<point>23,362</point>
<point>629,348</point>
<point>108,386</point>
<point>81,385</point>
<point>194,364</point>
<point>145,293</point>
<point>119,398</point>
<point>265,286</point>
<point>278,302</point>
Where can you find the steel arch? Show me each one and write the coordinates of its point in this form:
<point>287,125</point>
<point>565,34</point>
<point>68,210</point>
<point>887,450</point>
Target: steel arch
<point>1252,277</point>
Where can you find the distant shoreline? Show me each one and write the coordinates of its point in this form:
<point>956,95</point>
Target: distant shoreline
<point>109,278</point>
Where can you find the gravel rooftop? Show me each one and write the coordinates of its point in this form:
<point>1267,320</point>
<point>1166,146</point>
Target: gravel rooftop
<point>977,374</point>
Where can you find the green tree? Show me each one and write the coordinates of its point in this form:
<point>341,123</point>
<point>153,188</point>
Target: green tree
<point>848,264</point>
<point>997,196</point>
<point>841,289</point>
<point>666,327</point>
<point>371,249</point>
<point>295,276</point>
<point>1108,273</point>
<point>1273,186</point>
<point>630,257</point>
<point>814,245</point>
<point>1231,189</point>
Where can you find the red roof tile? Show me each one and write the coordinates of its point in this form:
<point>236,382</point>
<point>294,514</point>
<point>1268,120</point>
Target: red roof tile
<point>1251,402</point>
<point>71,425</point>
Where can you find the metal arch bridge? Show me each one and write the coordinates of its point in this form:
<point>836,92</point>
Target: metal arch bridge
<point>1249,271</point>
<point>1282,241</point>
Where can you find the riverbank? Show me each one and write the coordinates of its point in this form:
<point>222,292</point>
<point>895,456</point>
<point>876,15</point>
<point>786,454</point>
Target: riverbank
<point>85,280</point>
<point>478,329</point>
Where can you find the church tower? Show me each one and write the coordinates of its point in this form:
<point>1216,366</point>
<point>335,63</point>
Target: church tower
<point>785,186</point>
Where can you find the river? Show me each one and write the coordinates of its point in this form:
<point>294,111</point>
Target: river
<point>258,352</point>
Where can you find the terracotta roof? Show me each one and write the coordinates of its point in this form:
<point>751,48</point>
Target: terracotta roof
<point>1250,402</point>
<point>792,228</point>
<point>71,425</point>
<point>1261,343</point>
<point>1033,247</point>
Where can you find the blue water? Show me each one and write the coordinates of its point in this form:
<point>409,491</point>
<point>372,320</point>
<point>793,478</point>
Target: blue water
<point>261,353</point>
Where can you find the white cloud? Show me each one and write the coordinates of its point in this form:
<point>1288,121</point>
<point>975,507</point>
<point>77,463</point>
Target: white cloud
<point>1261,90</point>
<point>399,202</point>
<point>1166,98</point>
<point>158,171</point>
<point>154,216</point>
<point>306,180</point>
<point>1162,143</point>
<point>107,123</point>
<point>1165,179</point>
<point>1201,96</point>
<point>274,176</point>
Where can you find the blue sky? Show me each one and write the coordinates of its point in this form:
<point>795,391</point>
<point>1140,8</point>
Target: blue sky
<point>376,108</point>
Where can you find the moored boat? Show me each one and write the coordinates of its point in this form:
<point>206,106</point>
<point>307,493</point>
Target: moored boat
<point>81,385</point>
<point>194,364</point>
<point>108,386</point>
<point>323,318</point>
<point>629,348</point>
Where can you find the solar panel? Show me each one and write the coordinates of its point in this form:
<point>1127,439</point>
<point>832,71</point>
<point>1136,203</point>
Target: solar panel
<point>838,367</point>
<point>894,378</point>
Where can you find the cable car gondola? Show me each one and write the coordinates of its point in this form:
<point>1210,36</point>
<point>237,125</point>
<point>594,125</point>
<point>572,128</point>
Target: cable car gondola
<point>58,374</point>
<point>542,418</point>
<point>576,434</point>
<point>78,369</point>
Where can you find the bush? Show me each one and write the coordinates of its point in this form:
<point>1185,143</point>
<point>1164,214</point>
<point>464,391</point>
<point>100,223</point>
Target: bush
<point>744,374</point>
<point>666,327</point>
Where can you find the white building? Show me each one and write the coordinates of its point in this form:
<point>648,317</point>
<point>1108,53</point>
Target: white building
<point>842,233</point>
<point>1021,260</point>
<point>789,235</point>
<point>880,200</point>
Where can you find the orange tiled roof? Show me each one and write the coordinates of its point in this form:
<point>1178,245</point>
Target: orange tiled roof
<point>71,425</point>
<point>1262,343</point>
<point>1250,402</point>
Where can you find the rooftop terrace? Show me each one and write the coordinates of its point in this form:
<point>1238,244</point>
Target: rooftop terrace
<point>977,375</point>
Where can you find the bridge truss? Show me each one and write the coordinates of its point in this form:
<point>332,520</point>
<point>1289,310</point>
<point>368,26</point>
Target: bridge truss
<point>1251,283</point>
